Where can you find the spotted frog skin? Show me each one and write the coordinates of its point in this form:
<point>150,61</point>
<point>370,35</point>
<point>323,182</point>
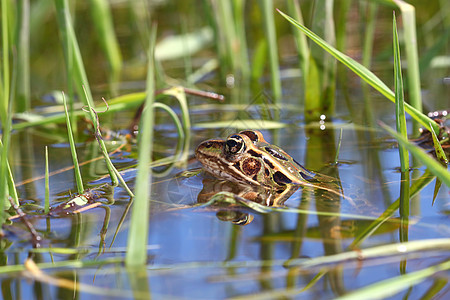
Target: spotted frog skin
<point>246,157</point>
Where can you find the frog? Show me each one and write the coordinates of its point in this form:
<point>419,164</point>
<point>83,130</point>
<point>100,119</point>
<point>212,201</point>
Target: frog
<point>246,157</point>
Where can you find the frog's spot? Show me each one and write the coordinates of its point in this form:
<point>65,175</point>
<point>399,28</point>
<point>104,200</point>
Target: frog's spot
<point>236,165</point>
<point>254,153</point>
<point>275,153</point>
<point>251,166</point>
<point>267,172</point>
<point>252,135</point>
<point>280,178</point>
<point>267,162</point>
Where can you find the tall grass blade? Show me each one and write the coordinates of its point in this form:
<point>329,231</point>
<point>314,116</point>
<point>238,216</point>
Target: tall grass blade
<point>239,20</point>
<point>391,286</point>
<point>362,72</point>
<point>22,101</point>
<point>435,167</point>
<point>116,178</point>
<point>102,19</point>
<point>269,25</point>
<point>410,39</point>
<point>323,25</point>
<point>399,99</point>
<point>7,188</point>
<point>300,39</point>
<point>226,32</point>
<point>138,232</point>
<point>47,184</point>
<point>81,82</point>
<point>73,151</point>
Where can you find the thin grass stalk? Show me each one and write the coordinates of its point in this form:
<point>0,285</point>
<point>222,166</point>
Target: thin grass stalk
<point>336,157</point>
<point>76,166</point>
<point>399,100</point>
<point>138,232</point>
<point>22,100</point>
<point>47,184</point>
<point>363,73</point>
<point>239,17</point>
<point>229,33</point>
<point>5,69</point>
<point>410,38</point>
<point>7,187</point>
<point>323,23</point>
<point>369,33</point>
<point>111,169</point>
<point>269,26</point>
<point>102,19</point>
<point>300,39</point>
<point>81,82</point>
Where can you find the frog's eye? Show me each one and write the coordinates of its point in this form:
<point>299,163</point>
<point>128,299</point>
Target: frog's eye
<point>234,145</point>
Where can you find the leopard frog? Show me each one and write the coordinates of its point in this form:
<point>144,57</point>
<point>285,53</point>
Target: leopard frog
<point>246,157</point>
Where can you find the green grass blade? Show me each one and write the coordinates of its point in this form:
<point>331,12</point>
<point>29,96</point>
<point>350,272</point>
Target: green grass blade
<point>362,72</point>
<point>410,39</point>
<point>391,286</point>
<point>7,188</point>
<point>323,24</point>
<point>269,25</point>
<point>102,19</point>
<point>300,39</point>
<point>79,74</point>
<point>399,99</point>
<point>47,185</point>
<point>336,157</point>
<point>435,167</point>
<point>415,188</point>
<point>76,166</point>
<point>22,102</point>
<point>438,148</point>
<point>370,22</point>
<point>138,232</point>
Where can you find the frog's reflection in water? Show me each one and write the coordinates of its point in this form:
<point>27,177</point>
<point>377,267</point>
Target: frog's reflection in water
<point>235,213</point>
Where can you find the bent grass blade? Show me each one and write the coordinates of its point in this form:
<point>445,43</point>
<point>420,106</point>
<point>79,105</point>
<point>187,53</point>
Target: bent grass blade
<point>362,72</point>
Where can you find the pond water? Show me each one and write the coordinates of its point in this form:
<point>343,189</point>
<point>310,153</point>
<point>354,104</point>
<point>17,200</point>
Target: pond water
<point>197,251</point>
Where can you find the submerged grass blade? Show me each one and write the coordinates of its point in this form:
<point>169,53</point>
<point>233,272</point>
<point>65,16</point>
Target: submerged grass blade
<point>435,167</point>
<point>399,99</point>
<point>336,157</point>
<point>47,185</point>
<point>76,166</point>
<point>391,286</point>
<point>138,232</point>
<point>362,72</point>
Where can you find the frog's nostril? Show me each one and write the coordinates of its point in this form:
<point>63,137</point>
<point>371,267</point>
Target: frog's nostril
<point>208,145</point>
